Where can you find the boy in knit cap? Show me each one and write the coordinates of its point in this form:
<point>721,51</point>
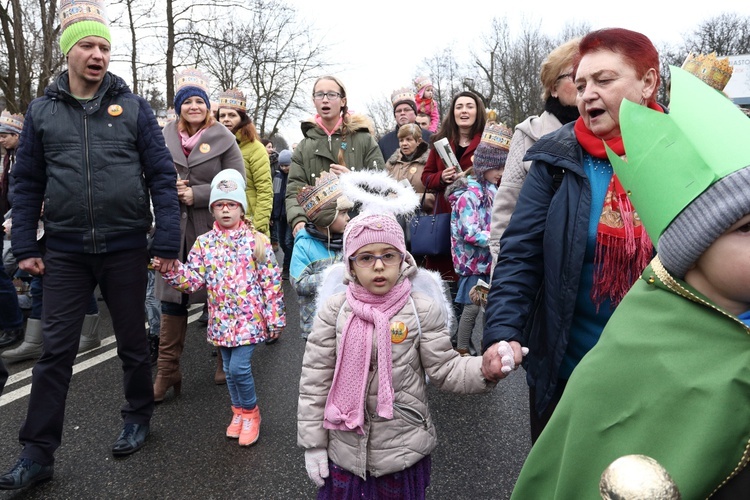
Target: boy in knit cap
<point>318,244</point>
<point>94,151</point>
<point>669,378</point>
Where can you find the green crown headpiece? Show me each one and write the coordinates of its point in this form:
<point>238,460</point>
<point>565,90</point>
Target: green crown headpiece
<point>674,157</point>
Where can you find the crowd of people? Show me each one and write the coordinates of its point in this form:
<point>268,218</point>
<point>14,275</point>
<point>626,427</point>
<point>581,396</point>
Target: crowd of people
<point>612,296</point>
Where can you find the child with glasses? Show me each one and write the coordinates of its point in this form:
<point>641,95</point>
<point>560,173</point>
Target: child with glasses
<point>336,140</point>
<point>381,325</point>
<point>237,266</point>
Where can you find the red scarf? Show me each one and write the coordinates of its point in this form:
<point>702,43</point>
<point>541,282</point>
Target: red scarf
<point>623,248</point>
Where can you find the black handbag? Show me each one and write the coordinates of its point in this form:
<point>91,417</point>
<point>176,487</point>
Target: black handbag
<point>430,234</point>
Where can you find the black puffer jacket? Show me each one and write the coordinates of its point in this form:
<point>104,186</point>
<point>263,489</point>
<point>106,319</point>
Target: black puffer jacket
<point>95,165</point>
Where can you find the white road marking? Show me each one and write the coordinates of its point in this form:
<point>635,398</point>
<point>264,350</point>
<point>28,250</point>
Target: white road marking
<point>9,397</point>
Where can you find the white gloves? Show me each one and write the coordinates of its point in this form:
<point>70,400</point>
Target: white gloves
<point>316,464</point>
<point>506,356</point>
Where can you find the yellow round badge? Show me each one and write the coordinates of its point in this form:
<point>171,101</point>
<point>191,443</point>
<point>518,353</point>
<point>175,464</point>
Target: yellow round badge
<point>398,332</point>
<point>412,170</point>
<point>115,110</point>
<point>205,147</point>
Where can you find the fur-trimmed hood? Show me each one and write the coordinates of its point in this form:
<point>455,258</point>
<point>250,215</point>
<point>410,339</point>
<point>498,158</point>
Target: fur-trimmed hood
<point>336,278</point>
<point>357,123</point>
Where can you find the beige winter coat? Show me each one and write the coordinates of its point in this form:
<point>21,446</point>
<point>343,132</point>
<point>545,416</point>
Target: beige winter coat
<point>527,133</point>
<point>217,150</point>
<point>387,446</point>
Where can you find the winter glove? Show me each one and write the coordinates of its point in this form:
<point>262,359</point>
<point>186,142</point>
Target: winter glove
<point>316,464</point>
<point>506,356</point>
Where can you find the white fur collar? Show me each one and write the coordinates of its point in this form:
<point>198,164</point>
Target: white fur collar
<point>424,281</point>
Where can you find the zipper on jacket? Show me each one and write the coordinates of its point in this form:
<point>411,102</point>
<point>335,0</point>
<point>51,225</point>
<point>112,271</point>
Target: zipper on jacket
<point>89,190</point>
<point>410,414</point>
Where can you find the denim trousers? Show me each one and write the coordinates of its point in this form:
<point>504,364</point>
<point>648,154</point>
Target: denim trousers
<point>240,382</point>
<point>11,317</point>
<point>69,282</point>
<point>153,306</point>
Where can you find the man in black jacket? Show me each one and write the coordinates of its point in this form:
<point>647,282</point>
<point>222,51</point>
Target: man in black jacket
<point>405,111</point>
<point>93,152</point>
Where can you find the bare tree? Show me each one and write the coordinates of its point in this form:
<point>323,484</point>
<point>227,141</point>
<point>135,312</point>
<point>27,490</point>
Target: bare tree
<point>273,54</point>
<point>381,113</point>
<point>30,55</point>
<point>726,34</point>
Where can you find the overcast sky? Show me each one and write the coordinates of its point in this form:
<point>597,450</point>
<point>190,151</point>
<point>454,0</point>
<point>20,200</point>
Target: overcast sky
<point>380,44</point>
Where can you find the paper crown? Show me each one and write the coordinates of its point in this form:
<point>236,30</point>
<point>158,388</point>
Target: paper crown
<point>73,11</point>
<point>11,124</point>
<point>325,193</point>
<point>421,82</point>
<point>233,98</point>
<point>709,69</point>
<point>673,158</point>
<point>401,95</point>
<point>191,77</point>
<point>497,135</point>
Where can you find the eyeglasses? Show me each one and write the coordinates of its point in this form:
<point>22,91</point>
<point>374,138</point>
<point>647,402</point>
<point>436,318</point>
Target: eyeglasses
<point>221,205</point>
<point>566,75</point>
<point>331,96</point>
<point>368,260</point>
<point>403,110</point>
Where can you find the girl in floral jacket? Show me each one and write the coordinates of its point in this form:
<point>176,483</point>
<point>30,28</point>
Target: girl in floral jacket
<point>471,200</point>
<point>237,266</point>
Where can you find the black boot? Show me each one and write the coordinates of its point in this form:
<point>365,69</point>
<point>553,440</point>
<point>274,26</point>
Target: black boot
<point>10,337</point>
<point>153,346</point>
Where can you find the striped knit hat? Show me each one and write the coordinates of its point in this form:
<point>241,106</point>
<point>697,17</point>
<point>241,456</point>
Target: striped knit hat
<point>82,18</point>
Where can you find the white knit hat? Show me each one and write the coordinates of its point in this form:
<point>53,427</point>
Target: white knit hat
<point>228,185</point>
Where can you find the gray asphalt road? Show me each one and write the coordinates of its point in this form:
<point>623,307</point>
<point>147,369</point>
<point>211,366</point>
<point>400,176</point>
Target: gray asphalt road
<point>483,440</point>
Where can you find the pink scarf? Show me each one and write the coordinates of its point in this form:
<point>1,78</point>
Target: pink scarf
<point>188,143</point>
<point>345,406</point>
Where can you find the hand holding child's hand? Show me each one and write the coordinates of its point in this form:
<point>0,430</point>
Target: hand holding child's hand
<point>498,361</point>
<point>316,464</point>
<point>506,356</point>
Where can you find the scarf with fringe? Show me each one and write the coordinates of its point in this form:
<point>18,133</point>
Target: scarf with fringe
<point>623,248</point>
<point>345,406</point>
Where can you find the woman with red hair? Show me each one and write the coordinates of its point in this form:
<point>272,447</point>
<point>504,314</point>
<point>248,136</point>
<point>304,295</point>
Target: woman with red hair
<point>574,245</point>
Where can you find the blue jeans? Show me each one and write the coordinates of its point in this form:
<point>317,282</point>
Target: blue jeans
<point>153,306</point>
<point>11,317</point>
<point>239,373</point>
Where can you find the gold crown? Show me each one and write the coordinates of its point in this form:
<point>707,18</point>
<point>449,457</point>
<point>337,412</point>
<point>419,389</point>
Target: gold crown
<point>191,77</point>
<point>233,98</point>
<point>402,94</point>
<point>313,199</point>
<point>709,69</point>
<point>497,135</point>
<point>13,121</point>
<point>73,11</point>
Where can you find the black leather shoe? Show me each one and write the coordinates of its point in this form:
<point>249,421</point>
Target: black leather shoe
<point>10,337</point>
<point>131,439</point>
<point>25,473</point>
